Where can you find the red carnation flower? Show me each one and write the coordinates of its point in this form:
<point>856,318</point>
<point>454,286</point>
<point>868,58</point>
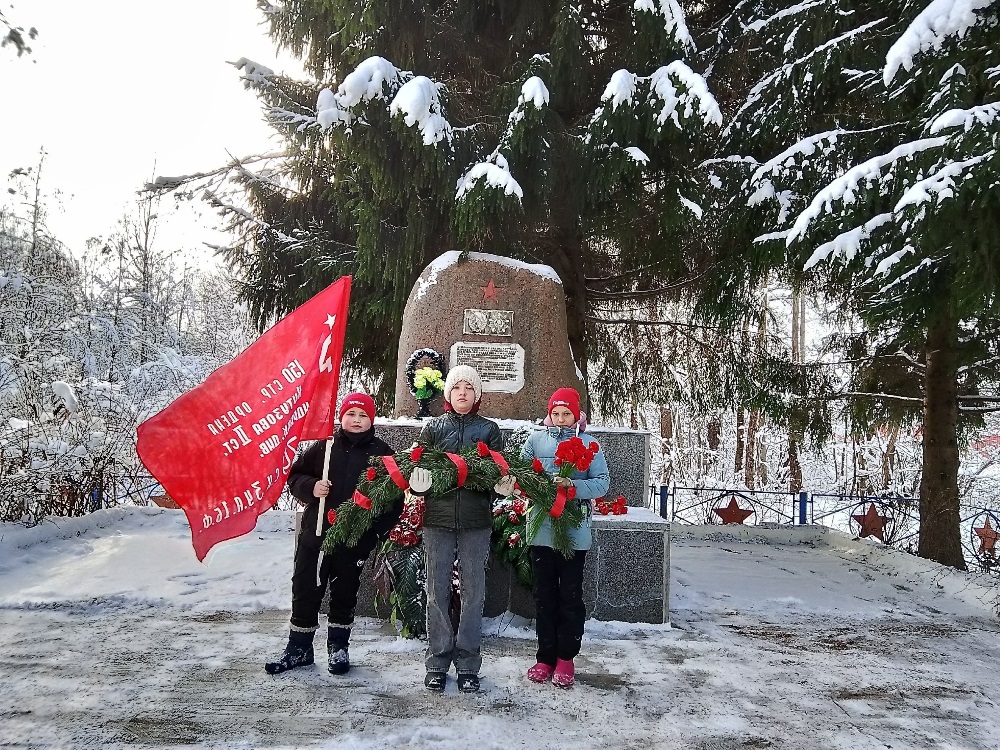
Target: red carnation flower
<point>513,518</point>
<point>414,517</point>
<point>513,539</point>
<point>416,453</point>
<point>371,474</point>
<point>536,466</point>
<point>594,447</point>
<point>483,448</point>
<point>331,516</point>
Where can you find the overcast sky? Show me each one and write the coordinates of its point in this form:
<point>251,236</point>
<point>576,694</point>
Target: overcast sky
<point>119,89</point>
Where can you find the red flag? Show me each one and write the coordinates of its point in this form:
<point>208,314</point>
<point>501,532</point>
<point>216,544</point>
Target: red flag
<point>223,450</point>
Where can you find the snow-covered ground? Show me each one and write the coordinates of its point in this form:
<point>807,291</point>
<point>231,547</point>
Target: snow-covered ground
<point>113,635</point>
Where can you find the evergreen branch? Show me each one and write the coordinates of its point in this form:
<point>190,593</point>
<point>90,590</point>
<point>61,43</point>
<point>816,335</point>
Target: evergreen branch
<point>857,394</point>
<point>638,271</point>
<point>164,184</point>
<point>974,365</point>
<point>643,322</point>
<point>638,294</point>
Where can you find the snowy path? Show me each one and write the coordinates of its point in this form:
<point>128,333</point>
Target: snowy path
<point>111,634</point>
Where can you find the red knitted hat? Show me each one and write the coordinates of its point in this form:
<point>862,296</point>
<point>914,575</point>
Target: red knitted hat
<point>567,397</point>
<point>361,401</point>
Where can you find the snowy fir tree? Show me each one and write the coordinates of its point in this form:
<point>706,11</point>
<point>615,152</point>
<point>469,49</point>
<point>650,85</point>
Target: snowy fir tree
<point>554,132</point>
<point>869,143</point>
<point>16,37</point>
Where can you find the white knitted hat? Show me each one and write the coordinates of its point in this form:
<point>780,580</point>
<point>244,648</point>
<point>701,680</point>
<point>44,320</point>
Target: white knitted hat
<point>466,373</point>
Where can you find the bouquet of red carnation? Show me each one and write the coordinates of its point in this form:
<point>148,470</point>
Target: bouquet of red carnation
<point>574,455</point>
<point>571,455</point>
<point>618,507</point>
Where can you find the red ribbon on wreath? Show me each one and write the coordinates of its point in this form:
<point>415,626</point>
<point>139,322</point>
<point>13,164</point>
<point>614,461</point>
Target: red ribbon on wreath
<point>484,450</point>
<point>501,463</point>
<point>463,468</point>
<point>363,500</point>
<point>562,495</point>
<point>394,473</point>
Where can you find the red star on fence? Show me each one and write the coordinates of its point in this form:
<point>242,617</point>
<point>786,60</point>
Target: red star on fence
<point>733,513</point>
<point>988,537</point>
<point>490,291</point>
<point>872,524</point>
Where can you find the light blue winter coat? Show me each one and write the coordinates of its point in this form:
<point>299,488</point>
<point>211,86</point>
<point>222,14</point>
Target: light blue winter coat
<point>590,484</point>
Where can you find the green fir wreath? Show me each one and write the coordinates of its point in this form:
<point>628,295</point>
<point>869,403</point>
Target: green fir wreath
<point>377,491</point>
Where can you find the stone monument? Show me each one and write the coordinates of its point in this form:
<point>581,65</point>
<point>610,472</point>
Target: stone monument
<point>505,318</point>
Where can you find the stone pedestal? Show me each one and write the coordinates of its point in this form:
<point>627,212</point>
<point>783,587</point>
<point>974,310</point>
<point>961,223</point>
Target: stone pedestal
<point>626,576</point>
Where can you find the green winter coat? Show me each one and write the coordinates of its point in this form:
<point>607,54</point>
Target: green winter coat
<point>459,509</point>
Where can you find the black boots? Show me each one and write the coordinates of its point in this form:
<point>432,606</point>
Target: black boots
<point>435,681</point>
<point>298,653</point>
<point>338,638</point>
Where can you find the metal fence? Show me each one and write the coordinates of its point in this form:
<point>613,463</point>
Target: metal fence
<point>893,521</point>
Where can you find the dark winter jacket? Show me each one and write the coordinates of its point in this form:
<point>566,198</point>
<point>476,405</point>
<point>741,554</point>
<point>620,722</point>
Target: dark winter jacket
<point>349,457</point>
<point>460,508</point>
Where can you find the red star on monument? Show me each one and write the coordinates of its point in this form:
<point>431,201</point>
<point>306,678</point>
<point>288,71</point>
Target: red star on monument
<point>733,513</point>
<point>490,291</point>
<point>872,524</point>
<point>988,537</point>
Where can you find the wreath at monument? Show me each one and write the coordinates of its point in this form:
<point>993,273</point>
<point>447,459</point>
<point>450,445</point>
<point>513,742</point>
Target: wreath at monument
<point>400,578</point>
<point>509,539</point>
<point>399,571</point>
<point>426,382</point>
<point>399,575</point>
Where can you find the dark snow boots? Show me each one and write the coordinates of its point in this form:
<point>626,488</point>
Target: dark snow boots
<point>298,653</point>
<point>338,638</point>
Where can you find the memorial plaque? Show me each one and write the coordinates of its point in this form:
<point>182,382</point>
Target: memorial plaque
<point>488,322</point>
<point>501,366</point>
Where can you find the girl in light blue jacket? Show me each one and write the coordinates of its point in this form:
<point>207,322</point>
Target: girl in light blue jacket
<point>558,582</point>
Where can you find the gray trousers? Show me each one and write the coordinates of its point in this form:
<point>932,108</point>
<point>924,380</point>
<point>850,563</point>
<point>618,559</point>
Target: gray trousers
<point>444,646</point>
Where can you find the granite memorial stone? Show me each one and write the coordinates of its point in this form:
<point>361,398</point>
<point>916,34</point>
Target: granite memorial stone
<point>505,318</point>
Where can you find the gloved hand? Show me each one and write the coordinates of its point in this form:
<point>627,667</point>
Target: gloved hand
<point>505,486</point>
<point>564,482</point>
<point>420,481</point>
